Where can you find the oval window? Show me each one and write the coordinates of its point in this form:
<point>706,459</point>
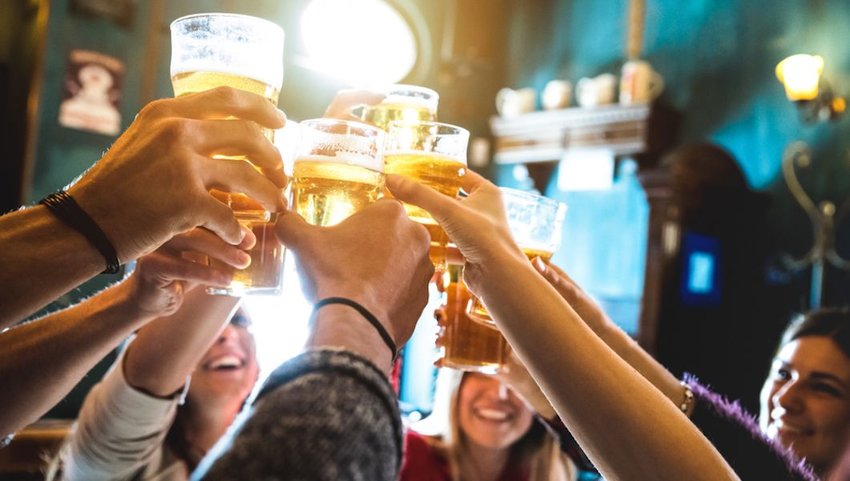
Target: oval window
<point>358,41</point>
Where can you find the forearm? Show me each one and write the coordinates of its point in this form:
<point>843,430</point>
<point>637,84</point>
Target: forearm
<point>325,415</point>
<point>166,351</point>
<point>629,350</point>
<point>42,259</point>
<point>591,388</point>
<point>42,360</point>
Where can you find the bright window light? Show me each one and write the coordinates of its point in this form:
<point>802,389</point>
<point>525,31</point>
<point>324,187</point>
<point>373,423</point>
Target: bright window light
<point>279,322</point>
<point>360,42</point>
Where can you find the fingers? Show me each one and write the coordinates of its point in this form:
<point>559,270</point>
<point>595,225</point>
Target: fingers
<point>473,181</point>
<point>219,219</point>
<point>164,270</point>
<point>440,206</point>
<point>238,138</point>
<point>209,244</point>
<point>240,176</point>
<point>292,229</point>
<point>226,103</point>
<point>345,100</point>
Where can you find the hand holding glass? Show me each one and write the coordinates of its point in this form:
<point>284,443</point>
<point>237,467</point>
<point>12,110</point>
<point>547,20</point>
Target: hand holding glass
<point>214,50</point>
<point>433,154</point>
<point>535,223</point>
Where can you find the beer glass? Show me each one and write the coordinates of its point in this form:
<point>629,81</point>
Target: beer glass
<point>219,49</point>
<point>402,102</point>
<point>535,223</point>
<point>338,170</point>
<point>433,154</point>
<point>466,344</point>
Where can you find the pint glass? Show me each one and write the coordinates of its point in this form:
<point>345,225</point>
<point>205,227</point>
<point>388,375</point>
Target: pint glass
<point>535,223</point>
<point>466,344</point>
<point>218,49</point>
<point>433,154</point>
<point>402,102</point>
<point>338,170</point>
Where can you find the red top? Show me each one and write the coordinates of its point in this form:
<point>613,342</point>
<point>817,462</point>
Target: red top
<point>423,463</point>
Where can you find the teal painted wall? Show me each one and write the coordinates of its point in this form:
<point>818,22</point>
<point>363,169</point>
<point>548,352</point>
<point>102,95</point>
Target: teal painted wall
<point>717,58</point>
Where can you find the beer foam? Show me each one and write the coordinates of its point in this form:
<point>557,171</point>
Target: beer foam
<point>232,44</point>
<point>350,158</point>
<point>410,95</point>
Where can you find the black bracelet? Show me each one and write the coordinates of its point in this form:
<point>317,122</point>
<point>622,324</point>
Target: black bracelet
<point>66,209</point>
<point>382,331</point>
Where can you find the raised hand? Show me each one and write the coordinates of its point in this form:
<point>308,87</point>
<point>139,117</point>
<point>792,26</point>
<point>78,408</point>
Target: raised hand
<point>162,278</point>
<point>476,224</point>
<point>377,257</point>
<point>154,182</point>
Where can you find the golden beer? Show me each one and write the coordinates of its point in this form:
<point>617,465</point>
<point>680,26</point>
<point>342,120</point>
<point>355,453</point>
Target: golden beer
<point>476,309</point>
<point>265,272</point>
<point>468,345</point>
<point>439,172</point>
<point>326,191</point>
<point>382,114</point>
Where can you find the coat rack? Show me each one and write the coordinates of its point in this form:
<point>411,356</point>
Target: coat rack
<point>824,216</point>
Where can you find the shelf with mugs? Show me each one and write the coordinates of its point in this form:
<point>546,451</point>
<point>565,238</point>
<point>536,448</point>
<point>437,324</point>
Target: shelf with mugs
<point>644,131</point>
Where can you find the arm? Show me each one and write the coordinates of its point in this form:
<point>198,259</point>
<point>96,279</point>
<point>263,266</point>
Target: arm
<point>727,425</point>
<point>42,258</point>
<point>330,413</point>
<point>611,334</point>
<point>166,351</point>
<point>42,360</point>
<point>152,184</point>
<point>654,440</point>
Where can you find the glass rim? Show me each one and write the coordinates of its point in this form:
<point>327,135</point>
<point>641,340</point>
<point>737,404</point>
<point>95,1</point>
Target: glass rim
<point>240,16</point>
<point>415,88</point>
<point>351,123</point>
<point>427,123</point>
<point>536,198</point>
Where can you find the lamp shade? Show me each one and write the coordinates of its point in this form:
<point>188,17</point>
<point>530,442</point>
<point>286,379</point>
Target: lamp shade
<point>800,74</point>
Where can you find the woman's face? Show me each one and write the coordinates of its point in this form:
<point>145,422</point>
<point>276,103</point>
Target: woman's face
<point>228,370</point>
<point>805,401</point>
<point>489,413</point>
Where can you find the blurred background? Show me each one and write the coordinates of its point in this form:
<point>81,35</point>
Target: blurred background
<point>681,222</point>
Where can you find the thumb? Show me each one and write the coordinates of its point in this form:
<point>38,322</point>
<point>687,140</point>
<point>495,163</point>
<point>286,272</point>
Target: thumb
<point>440,206</point>
<point>291,229</point>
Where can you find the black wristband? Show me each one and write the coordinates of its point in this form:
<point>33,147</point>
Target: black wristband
<point>66,209</point>
<point>382,331</point>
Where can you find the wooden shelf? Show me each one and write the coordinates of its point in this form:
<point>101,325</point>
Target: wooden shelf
<point>546,136</point>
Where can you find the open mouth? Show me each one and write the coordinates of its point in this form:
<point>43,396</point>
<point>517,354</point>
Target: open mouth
<point>228,362</point>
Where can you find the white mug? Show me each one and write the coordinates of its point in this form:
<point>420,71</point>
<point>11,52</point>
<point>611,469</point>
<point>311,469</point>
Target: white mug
<point>639,83</point>
<point>556,94</point>
<point>599,90</point>
<point>510,102</point>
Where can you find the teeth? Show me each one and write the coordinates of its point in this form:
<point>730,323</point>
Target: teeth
<point>226,362</point>
<point>783,426</point>
<point>492,414</point>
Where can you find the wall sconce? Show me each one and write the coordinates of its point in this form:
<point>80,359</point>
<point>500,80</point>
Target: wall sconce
<point>801,76</point>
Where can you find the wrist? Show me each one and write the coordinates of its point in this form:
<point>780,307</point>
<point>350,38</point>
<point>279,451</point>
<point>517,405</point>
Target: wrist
<point>102,212</point>
<point>505,263</point>
<point>342,326</point>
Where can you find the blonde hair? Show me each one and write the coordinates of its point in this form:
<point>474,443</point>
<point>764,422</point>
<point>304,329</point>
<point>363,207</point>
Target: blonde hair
<point>540,451</point>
